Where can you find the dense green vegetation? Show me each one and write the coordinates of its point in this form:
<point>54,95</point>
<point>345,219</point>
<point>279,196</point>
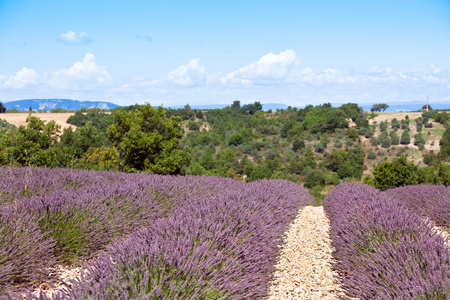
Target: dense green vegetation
<point>5,125</point>
<point>317,146</point>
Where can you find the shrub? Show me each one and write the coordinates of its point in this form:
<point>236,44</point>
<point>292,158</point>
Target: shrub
<point>192,125</point>
<point>369,133</point>
<point>372,155</point>
<point>419,140</point>
<point>25,252</point>
<point>320,148</point>
<point>315,178</point>
<point>337,144</point>
<point>386,143</point>
<point>362,131</point>
<point>395,140</point>
<point>405,138</point>
<point>298,144</point>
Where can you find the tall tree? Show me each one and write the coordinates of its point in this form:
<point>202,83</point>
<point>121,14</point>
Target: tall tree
<point>252,108</point>
<point>236,104</point>
<point>379,107</point>
<point>2,108</point>
<point>147,140</point>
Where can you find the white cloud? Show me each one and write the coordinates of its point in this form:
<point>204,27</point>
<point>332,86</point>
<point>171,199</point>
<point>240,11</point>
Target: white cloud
<point>189,75</point>
<point>71,37</point>
<point>376,70</point>
<point>20,80</point>
<point>272,78</point>
<point>85,73</point>
<point>269,69</point>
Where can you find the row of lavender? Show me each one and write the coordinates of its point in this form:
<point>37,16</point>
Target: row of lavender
<point>166,237</point>
<point>385,248</point>
<point>428,201</point>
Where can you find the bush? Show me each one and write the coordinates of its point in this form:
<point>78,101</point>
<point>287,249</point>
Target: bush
<point>395,139</point>
<point>369,133</point>
<point>372,155</point>
<point>419,140</point>
<point>315,178</point>
<point>386,143</point>
<point>362,131</point>
<point>374,141</point>
<point>298,144</point>
<point>25,252</point>
<point>194,126</point>
<point>320,148</point>
<point>337,144</point>
<point>349,142</point>
<point>405,138</point>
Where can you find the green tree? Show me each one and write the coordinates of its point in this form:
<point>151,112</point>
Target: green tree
<point>78,142</point>
<point>379,107</point>
<point>253,108</point>
<point>2,108</point>
<point>236,104</point>
<point>388,174</point>
<point>33,144</point>
<point>147,140</point>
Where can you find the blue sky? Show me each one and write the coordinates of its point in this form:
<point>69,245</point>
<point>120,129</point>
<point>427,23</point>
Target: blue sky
<point>208,52</point>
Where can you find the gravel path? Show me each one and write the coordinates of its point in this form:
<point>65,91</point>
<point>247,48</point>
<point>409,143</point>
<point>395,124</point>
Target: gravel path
<point>304,270</point>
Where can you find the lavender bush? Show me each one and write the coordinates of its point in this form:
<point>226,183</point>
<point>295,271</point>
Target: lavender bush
<point>25,252</point>
<point>429,201</point>
<point>383,250</point>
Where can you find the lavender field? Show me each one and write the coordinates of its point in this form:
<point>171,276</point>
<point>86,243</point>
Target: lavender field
<point>152,236</point>
<point>193,237</point>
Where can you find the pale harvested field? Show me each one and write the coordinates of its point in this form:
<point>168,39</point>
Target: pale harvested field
<point>399,115</point>
<point>20,118</point>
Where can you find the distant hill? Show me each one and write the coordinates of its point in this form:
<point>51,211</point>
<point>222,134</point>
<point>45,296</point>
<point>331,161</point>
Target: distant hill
<point>48,104</point>
<point>266,106</point>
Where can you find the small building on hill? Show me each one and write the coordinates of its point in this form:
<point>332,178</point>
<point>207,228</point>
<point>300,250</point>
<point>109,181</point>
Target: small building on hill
<point>426,107</point>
